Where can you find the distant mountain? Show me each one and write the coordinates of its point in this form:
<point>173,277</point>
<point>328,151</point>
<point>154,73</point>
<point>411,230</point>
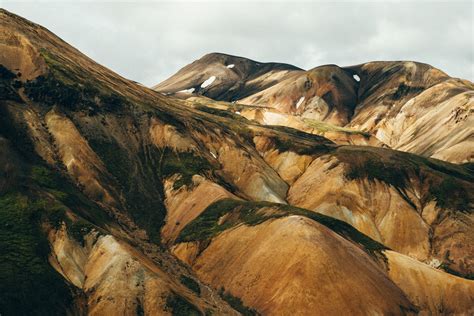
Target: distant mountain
<point>417,108</point>
<point>118,200</point>
<point>224,77</point>
<point>406,105</point>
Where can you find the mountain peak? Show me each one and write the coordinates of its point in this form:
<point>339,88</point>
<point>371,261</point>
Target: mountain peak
<point>232,77</point>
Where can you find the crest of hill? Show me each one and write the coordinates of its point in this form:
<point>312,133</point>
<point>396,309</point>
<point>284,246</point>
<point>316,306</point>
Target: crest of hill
<point>228,77</point>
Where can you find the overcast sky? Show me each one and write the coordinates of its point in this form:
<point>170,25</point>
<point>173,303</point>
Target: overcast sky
<point>148,41</point>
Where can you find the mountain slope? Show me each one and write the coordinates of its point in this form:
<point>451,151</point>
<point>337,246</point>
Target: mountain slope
<point>103,180</point>
<point>224,77</point>
<point>416,108</point>
<point>270,116</point>
<point>249,250</point>
<point>261,264</point>
<point>325,93</point>
<point>397,102</point>
<point>409,106</point>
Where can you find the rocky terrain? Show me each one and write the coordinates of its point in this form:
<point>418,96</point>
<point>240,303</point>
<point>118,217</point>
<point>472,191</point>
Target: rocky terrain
<point>332,191</point>
<point>407,106</point>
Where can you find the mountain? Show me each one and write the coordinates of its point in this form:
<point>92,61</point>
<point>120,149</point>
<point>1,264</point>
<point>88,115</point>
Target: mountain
<point>407,106</point>
<point>117,199</point>
<point>224,77</point>
<point>416,108</point>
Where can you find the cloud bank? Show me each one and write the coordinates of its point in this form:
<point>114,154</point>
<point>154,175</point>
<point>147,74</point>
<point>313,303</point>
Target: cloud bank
<point>149,41</point>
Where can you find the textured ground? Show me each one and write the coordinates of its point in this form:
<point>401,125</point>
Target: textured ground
<point>117,199</point>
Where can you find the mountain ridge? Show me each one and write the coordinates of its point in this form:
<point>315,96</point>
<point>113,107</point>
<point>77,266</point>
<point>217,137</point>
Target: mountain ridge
<point>394,102</point>
<point>117,199</point>
<point>243,76</point>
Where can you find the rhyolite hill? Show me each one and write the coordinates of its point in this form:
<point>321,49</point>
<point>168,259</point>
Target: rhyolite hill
<point>265,190</point>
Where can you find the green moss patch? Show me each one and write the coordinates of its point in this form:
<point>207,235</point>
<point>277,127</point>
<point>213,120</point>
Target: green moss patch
<point>446,266</point>
<point>64,195</point>
<point>229,121</point>
<point>222,113</point>
<point>375,169</point>
<point>191,284</point>
<point>115,158</point>
<point>139,178</point>
<point>450,194</point>
<point>207,224</point>
<point>29,285</point>
<point>63,86</point>
<point>49,91</point>
<point>185,164</point>
<point>14,128</point>
<point>290,139</point>
<point>449,184</point>
<point>237,304</point>
<point>324,127</point>
<point>9,85</point>
<point>53,210</point>
<point>179,306</point>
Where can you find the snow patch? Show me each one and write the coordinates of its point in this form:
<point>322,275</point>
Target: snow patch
<point>434,263</point>
<point>231,66</point>
<point>213,155</point>
<point>208,82</point>
<point>380,134</point>
<point>300,101</point>
<point>356,78</point>
<point>237,112</point>
<point>190,90</point>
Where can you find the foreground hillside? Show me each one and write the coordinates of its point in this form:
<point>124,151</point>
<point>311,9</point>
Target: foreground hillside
<point>116,199</point>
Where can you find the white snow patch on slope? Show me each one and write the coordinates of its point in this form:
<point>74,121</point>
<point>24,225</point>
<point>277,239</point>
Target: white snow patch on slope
<point>434,263</point>
<point>231,66</point>
<point>300,101</point>
<point>190,90</point>
<point>208,82</point>
<point>213,155</point>
<point>356,78</point>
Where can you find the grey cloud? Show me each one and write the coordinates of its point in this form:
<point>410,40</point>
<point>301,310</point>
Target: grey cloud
<point>148,42</point>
